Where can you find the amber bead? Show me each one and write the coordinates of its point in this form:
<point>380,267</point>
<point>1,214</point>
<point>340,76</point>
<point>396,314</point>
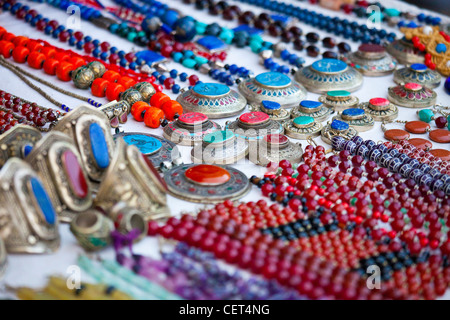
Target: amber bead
<point>137,110</point>
<point>299,44</point>
<point>153,117</point>
<point>63,71</point>
<point>158,99</point>
<point>312,37</point>
<point>113,90</point>
<point>312,51</point>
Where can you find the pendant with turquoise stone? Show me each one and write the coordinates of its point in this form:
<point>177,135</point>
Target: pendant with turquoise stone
<point>302,127</point>
<point>313,109</point>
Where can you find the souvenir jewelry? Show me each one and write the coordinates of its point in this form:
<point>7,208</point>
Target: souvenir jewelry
<point>162,153</point>
<point>416,127</point>
<point>380,109</point>
<point>372,60</point>
<point>404,52</point>
<point>92,230</point>
<point>28,220</point>
<point>357,118</point>
<point>190,128</point>
<point>428,115</point>
<point>313,109</point>
<point>302,128</point>
<point>18,142</point>
<point>129,219</point>
<point>116,111</point>
<point>215,100</point>
<point>418,73</point>
<point>329,74</point>
<point>338,100</point>
<point>273,109</point>
<point>132,179</point>
<point>90,130</point>
<point>272,86</point>
<point>3,260</point>
<point>254,125</point>
<point>337,128</point>
<point>57,161</point>
<point>220,147</point>
<point>206,183</point>
<point>274,148</point>
<point>412,95</point>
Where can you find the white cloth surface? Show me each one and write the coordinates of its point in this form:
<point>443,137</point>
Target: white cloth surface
<point>32,270</point>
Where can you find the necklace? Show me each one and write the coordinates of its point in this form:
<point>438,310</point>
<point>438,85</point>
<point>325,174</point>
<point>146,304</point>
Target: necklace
<point>416,127</point>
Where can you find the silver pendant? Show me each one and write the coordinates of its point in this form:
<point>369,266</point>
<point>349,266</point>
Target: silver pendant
<point>206,183</point>
<point>117,112</point>
<point>28,219</point>
<point>372,60</point>
<point>220,147</point>
<point>412,95</point>
<point>418,73</point>
<point>380,109</point>
<point>329,74</point>
<point>313,109</point>
<point>337,128</point>
<point>58,163</point>
<point>254,125</point>
<point>274,148</point>
<point>18,142</point>
<point>90,130</point>
<point>303,128</point>
<point>273,109</point>
<point>357,118</point>
<point>338,100</point>
<point>215,100</point>
<point>272,86</point>
<point>190,128</point>
<point>404,52</point>
<point>162,153</point>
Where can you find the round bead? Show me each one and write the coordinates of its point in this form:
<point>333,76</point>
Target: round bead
<point>20,54</point>
<point>113,90</point>
<point>146,89</point>
<point>36,60</point>
<point>83,77</point>
<point>97,68</point>
<point>64,70</point>
<point>171,109</point>
<point>153,117</point>
<point>137,110</point>
<point>158,99</point>
<point>50,66</point>
<point>99,86</point>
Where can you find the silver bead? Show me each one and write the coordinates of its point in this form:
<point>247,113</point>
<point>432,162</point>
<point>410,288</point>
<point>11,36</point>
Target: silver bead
<point>146,69</point>
<point>98,68</point>
<point>217,64</point>
<point>145,89</point>
<point>161,67</point>
<point>277,48</point>
<point>131,96</point>
<point>83,77</point>
<point>205,68</point>
<point>265,54</point>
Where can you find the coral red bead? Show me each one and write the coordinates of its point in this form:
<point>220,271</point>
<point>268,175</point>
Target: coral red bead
<point>193,79</point>
<point>171,109</point>
<point>99,86</point>
<point>64,70</point>
<point>36,60</point>
<point>137,110</point>
<point>113,90</point>
<point>126,82</point>
<point>158,99</point>
<point>111,76</point>
<point>20,41</point>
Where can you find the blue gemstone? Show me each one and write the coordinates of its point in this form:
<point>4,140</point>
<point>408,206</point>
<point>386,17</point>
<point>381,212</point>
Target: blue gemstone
<point>26,150</point>
<point>211,43</point>
<point>43,200</point>
<point>250,30</point>
<point>441,48</point>
<point>353,112</point>
<point>273,79</point>
<point>310,104</point>
<point>145,144</point>
<point>418,67</point>
<point>339,125</point>
<point>211,89</point>
<point>150,57</point>
<point>329,65</point>
<point>278,17</point>
<point>99,146</point>
<point>271,105</point>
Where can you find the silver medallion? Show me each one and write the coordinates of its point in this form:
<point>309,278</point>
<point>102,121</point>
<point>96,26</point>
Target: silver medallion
<point>303,128</point>
<point>312,109</point>
<point>254,125</point>
<point>405,52</point>
<point>418,73</point>
<point>357,118</point>
<point>274,148</point>
<point>412,95</point>
<point>380,109</point>
<point>372,60</point>
<point>339,100</point>
<point>337,128</point>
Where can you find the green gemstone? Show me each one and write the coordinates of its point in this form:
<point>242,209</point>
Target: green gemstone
<point>218,136</point>
<point>189,63</point>
<point>322,179</point>
<point>426,115</point>
<point>338,93</point>
<point>303,120</point>
<point>392,12</point>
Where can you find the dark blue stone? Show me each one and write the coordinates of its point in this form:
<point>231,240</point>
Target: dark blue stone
<point>447,85</point>
<point>353,112</point>
<point>26,150</point>
<point>150,57</point>
<point>99,146</point>
<point>339,125</point>
<point>271,105</point>
<point>250,30</point>
<point>43,201</point>
<point>418,67</point>
<point>310,104</point>
<point>211,43</point>
<point>185,29</point>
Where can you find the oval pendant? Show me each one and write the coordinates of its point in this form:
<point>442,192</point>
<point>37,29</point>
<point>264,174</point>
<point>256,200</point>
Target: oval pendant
<point>380,109</point>
<point>273,109</point>
<point>412,95</point>
<point>274,148</point>
<point>356,118</point>
<point>339,100</point>
<point>404,52</point>
<point>303,128</point>
<point>313,109</point>
<point>418,73</point>
<point>420,143</point>
<point>329,74</point>
<point>215,100</point>
<point>254,125</point>
<point>190,128</point>
<point>337,128</point>
<point>162,153</point>
<point>220,147</point>
<point>441,153</point>
<point>440,135</point>
<point>396,135</point>
<point>372,60</point>
<point>206,183</point>
<point>272,86</point>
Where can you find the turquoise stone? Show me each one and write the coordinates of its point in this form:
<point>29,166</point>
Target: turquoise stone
<point>99,146</point>
<point>273,79</point>
<point>145,144</point>
<point>303,120</point>
<point>211,89</point>
<point>218,136</point>
<point>271,105</point>
<point>353,112</point>
<point>43,201</point>
<point>329,65</point>
<point>339,125</point>
<point>338,93</point>
<point>310,104</point>
<point>392,12</point>
<point>426,115</point>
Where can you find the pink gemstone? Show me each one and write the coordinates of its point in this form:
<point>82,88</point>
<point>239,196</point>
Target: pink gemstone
<point>193,118</point>
<point>256,117</point>
<point>77,180</point>
<point>276,139</point>
<point>413,86</point>
<point>379,102</point>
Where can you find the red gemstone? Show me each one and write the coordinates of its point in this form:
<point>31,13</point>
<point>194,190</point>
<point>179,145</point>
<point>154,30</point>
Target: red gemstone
<point>77,180</point>
<point>193,118</point>
<point>205,174</point>
<point>254,118</point>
